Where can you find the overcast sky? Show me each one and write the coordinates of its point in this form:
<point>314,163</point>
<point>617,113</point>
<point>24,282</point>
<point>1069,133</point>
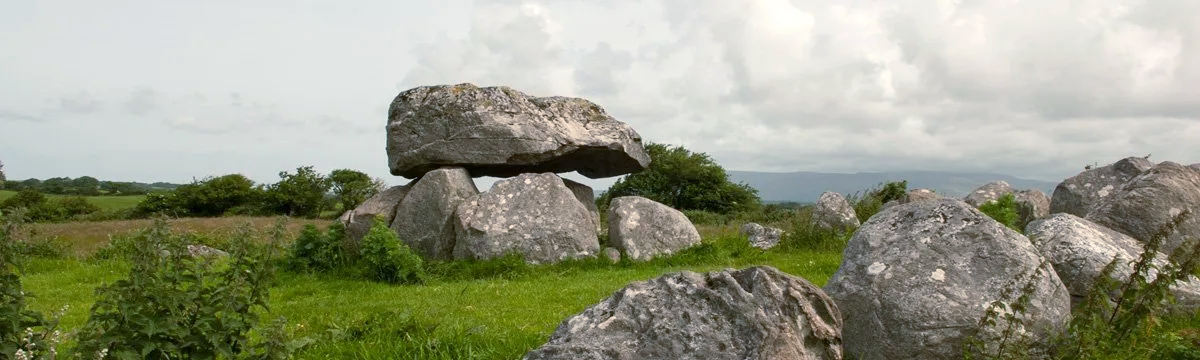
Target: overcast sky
<point>171,90</point>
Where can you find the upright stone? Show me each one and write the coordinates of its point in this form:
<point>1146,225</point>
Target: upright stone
<point>498,131</point>
<point>755,313</point>
<point>988,192</point>
<point>535,215</point>
<point>642,228</point>
<point>1032,204</point>
<point>1148,202</point>
<point>588,198</point>
<point>916,279</point>
<point>423,218</point>
<point>1078,194</point>
<point>833,212</point>
<point>762,237</point>
<point>359,220</point>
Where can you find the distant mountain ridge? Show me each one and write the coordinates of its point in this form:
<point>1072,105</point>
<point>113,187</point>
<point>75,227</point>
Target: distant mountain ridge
<point>804,186</point>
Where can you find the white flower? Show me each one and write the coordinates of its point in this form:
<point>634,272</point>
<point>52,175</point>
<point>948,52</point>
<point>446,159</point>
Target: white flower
<point>21,355</point>
<point>101,354</point>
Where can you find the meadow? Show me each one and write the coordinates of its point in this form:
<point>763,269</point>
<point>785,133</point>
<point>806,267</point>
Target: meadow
<point>103,202</point>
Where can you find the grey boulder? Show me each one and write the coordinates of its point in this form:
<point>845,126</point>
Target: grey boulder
<point>424,219</point>
<point>754,313</point>
<point>1032,204</point>
<point>914,195</point>
<point>988,192</point>
<point>833,212</point>
<point>1147,203</point>
<point>588,198</point>
<point>762,237</point>
<point>642,228</point>
<point>916,279</point>
<point>535,215</point>
<point>359,220</point>
<point>498,131</point>
<point>1079,249</point>
<point>1078,194</point>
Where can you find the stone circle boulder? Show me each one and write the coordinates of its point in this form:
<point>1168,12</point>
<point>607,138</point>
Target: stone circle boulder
<point>1145,204</point>
<point>424,218</point>
<point>762,237</point>
<point>1032,204</point>
<point>535,215</point>
<point>916,279</point>
<point>833,212</point>
<point>1079,249</point>
<point>754,313</point>
<point>988,192</point>
<point>1078,194</point>
<point>642,228</point>
<point>498,131</point>
<point>913,196</point>
<point>359,220</point>
<point>588,198</point>
<point>203,251</point>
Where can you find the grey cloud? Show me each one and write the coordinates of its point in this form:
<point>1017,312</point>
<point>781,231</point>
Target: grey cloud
<point>142,101</point>
<point>595,73</point>
<point>79,103</point>
<point>17,116</point>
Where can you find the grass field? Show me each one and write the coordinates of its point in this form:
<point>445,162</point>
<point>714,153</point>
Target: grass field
<point>104,202</point>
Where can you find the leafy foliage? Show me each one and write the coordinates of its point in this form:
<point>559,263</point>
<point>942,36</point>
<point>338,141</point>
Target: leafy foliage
<point>388,259</point>
<point>22,331</point>
<point>352,187</point>
<point>174,305</point>
<point>686,181</point>
<point>1004,211</point>
<point>42,208</point>
<point>300,194</point>
<point>314,251</point>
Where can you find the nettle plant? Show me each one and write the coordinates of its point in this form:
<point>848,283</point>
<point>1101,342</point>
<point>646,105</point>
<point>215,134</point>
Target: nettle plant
<point>24,333</point>
<point>175,305</point>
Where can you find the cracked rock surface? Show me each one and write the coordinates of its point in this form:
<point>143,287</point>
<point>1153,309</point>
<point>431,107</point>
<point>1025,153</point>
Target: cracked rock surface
<point>916,278</point>
<point>1144,205</point>
<point>535,215</point>
<point>1078,194</point>
<point>502,132</point>
<point>754,313</point>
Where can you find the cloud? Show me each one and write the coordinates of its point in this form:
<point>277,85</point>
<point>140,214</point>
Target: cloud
<point>79,103</point>
<point>17,116</point>
<point>142,101</point>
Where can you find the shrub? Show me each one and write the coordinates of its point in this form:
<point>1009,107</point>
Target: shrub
<point>165,203</point>
<point>316,251</point>
<point>388,259</point>
<point>1004,211</point>
<point>173,305</point>
<point>23,332</point>
<point>802,232</point>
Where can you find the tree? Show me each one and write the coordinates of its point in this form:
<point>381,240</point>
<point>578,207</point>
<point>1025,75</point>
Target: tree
<point>299,194</point>
<point>351,187</point>
<point>686,181</point>
<point>3,179</point>
<point>215,196</point>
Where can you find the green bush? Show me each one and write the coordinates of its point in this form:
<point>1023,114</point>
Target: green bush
<point>314,251</point>
<point>1004,211</point>
<point>803,233</point>
<point>388,259</point>
<point>23,332</point>
<point>173,305</point>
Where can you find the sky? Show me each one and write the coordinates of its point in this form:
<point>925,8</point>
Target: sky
<point>175,90</point>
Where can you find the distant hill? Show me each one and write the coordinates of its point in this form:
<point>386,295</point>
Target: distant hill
<point>807,186</point>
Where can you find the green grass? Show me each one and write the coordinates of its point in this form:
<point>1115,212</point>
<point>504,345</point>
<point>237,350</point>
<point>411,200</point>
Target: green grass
<point>104,202</point>
<point>499,316</point>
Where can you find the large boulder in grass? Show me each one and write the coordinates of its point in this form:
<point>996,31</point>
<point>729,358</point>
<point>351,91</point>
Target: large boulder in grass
<point>1145,204</point>
<point>1032,204</point>
<point>913,195</point>
<point>358,221</point>
<point>535,215</point>
<point>762,237</point>
<point>988,192</point>
<point>916,279</point>
<point>834,212</point>
<point>498,131</point>
<point>1079,249</point>
<point>1078,194</point>
<point>424,219</point>
<point>588,198</point>
<point>754,313</point>
<point>642,228</point>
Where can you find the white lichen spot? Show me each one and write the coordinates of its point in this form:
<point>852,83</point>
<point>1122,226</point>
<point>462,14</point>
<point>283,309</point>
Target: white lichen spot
<point>926,240</point>
<point>888,275</point>
<point>1174,212</point>
<point>1087,185</point>
<point>527,182</point>
<point>1104,191</point>
<point>939,275</point>
<point>876,268</point>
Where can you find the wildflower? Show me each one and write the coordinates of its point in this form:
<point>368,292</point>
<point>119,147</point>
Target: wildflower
<point>21,355</point>
<point>101,354</point>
